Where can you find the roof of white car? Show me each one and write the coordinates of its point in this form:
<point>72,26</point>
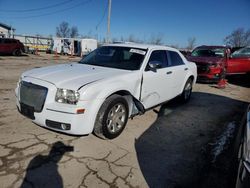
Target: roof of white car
<point>142,46</point>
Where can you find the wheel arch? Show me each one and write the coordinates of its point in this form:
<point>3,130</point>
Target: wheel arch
<point>186,79</point>
<point>127,95</point>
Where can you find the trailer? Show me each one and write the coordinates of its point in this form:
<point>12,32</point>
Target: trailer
<point>73,46</point>
<point>67,46</point>
<point>87,46</point>
<point>33,43</point>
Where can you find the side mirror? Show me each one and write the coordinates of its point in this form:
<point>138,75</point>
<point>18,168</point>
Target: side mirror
<point>155,65</point>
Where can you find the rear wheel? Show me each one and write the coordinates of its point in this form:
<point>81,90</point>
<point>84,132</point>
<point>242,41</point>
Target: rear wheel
<point>17,52</point>
<point>187,91</point>
<point>112,117</point>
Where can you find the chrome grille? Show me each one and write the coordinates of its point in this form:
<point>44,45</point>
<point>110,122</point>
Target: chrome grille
<point>33,95</point>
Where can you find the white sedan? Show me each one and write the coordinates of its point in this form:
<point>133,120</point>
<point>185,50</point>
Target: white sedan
<point>99,93</point>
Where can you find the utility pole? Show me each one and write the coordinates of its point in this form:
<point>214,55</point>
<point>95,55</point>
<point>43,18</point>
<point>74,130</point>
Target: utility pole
<point>108,28</point>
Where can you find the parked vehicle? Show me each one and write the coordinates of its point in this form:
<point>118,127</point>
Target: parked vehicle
<point>239,61</point>
<point>11,46</point>
<point>99,93</point>
<point>87,46</point>
<point>243,176</point>
<point>67,46</point>
<point>211,62</point>
<point>72,46</point>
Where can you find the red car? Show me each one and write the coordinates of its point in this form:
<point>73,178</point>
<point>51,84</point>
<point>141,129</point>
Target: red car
<point>211,62</point>
<point>11,46</point>
<point>239,62</point>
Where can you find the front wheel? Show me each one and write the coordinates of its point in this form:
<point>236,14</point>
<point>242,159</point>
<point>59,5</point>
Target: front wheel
<point>187,91</point>
<point>111,118</point>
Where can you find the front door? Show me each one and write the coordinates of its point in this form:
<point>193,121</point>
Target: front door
<point>157,84</point>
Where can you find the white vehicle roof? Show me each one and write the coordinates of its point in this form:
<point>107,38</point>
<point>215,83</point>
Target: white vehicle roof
<point>142,46</point>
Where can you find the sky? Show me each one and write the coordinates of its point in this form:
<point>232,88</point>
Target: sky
<point>175,21</point>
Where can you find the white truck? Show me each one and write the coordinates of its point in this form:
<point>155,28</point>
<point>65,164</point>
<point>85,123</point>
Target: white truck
<point>87,46</point>
<point>99,93</point>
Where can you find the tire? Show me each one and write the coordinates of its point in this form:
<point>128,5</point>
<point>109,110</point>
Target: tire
<point>17,52</point>
<point>187,90</point>
<point>240,166</point>
<point>112,117</point>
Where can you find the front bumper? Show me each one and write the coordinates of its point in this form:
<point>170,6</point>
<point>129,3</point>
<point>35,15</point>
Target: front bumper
<point>207,78</point>
<point>62,117</point>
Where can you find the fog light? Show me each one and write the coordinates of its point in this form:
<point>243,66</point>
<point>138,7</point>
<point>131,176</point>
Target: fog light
<point>58,125</point>
<point>63,126</point>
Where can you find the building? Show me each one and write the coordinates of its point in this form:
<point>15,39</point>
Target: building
<point>6,31</point>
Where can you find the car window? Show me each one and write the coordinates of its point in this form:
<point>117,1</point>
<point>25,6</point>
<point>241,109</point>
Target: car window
<point>243,52</point>
<point>116,57</point>
<point>208,52</point>
<point>8,41</point>
<point>159,55</point>
<point>175,58</point>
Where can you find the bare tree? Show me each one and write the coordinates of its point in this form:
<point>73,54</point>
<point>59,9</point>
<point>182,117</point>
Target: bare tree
<point>156,39</point>
<point>174,46</point>
<point>191,43</point>
<point>238,38</point>
<point>74,32</point>
<point>63,30</point>
<point>131,38</point>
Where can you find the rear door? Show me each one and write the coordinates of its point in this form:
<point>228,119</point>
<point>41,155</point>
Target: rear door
<point>157,84</point>
<point>4,46</point>
<point>179,72</point>
<point>1,46</point>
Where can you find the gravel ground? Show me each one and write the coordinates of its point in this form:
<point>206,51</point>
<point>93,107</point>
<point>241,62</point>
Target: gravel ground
<point>174,145</point>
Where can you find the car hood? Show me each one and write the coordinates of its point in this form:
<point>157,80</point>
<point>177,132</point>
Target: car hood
<point>204,60</point>
<point>73,76</point>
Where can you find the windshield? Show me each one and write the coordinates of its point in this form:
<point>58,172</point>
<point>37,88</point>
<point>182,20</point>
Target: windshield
<point>116,57</point>
<point>243,52</point>
<point>215,52</point>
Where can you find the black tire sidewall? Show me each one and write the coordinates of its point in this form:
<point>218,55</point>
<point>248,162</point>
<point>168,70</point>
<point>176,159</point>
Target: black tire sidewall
<point>183,92</point>
<point>17,52</point>
<point>110,105</point>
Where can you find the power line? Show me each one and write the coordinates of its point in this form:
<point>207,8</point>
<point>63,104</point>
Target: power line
<point>50,13</point>
<point>37,9</point>
<point>102,18</point>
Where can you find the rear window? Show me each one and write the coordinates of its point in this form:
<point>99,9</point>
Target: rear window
<point>8,41</point>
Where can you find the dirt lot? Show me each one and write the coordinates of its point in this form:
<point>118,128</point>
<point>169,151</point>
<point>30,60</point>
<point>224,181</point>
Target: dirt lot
<point>175,145</point>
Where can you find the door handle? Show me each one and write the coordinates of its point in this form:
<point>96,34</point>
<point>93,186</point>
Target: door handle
<point>186,69</point>
<point>169,72</point>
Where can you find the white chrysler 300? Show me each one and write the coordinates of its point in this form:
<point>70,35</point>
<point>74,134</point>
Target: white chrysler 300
<point>99,93</point>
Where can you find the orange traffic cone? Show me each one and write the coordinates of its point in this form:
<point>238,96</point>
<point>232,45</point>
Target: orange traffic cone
<point>56,55</point>
<point>222,83</point>
<point>36,52</point>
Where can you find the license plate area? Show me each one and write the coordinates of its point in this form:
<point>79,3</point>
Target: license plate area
<point>27,111</point>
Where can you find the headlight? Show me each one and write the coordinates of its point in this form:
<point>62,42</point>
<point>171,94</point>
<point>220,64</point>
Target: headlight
<point>67,96</point>
<point>213,65</point>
